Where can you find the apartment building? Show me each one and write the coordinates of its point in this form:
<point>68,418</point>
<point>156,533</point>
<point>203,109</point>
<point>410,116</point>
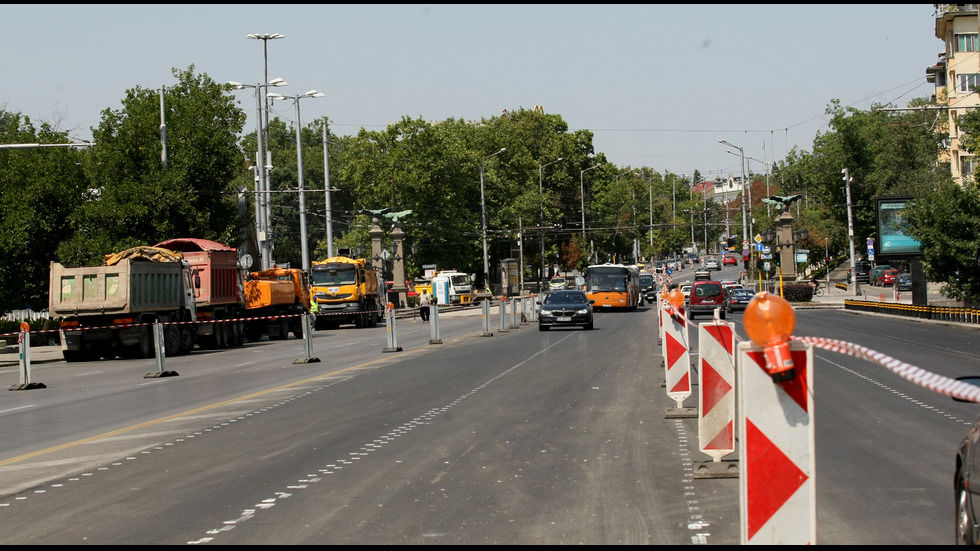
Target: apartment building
<point>956,76</point>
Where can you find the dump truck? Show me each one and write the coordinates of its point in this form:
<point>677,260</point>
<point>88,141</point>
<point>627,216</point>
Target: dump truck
<point>219,296</point>
<point>273,298</point>
<point>452,287</point>
<point>347,291</point>
<point>227,293</point>
<point>108,310</point>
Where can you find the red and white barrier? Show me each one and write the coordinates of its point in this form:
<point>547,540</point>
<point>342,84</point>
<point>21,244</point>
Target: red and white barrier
<point>676,345</point>
<point>777,484</point>
<point>716,385</point>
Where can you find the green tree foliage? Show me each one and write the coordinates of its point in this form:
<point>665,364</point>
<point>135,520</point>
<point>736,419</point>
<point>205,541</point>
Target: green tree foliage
<point>135,199</point>
<point>39,190</point>
<point>946,223</point>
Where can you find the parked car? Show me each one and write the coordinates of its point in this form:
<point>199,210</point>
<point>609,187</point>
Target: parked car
<point>730,261</point>
<point>903,282</point>
<point>876,271</point>
<point>702,275</point>
<point>965,490</point>
<point>712,264</point>
<point>565,308</point>
<point>738,299</point>
<point>887,277</point>
<point>705,297</point>
<point>863,269</point>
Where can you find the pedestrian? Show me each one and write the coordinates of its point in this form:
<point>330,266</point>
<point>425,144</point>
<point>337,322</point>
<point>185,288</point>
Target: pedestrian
<point>424,302</point>
<point>314,310</point>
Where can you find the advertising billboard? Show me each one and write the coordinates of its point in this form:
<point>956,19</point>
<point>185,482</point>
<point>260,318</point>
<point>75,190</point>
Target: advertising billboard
<point>892,240</point>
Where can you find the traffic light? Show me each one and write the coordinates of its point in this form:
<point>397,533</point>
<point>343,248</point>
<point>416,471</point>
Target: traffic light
<point>777,257</point>
<point>758,263</point>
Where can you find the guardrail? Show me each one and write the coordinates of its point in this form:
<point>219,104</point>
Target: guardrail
<point>960,314</point>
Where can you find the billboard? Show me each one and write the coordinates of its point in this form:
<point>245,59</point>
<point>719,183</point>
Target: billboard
<point>892,240</point>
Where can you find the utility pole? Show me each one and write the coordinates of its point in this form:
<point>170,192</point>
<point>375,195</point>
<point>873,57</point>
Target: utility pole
<point>850,230</point>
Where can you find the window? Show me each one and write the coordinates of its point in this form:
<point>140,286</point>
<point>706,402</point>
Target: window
<point>969,165</point>
<point>968,82</point>
<point>966,42</point>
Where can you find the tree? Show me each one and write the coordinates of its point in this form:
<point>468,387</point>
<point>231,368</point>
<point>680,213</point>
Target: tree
<point>946,223</point>
<point>135,199</point>
<point>40,189</point>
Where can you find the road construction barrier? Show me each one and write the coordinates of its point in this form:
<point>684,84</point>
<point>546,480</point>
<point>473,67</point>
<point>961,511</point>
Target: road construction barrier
<point>392,331</point>
<point>676,346</point>
<point>434,336</point>
<point>485,308</point>
<point>24,360</point>
<point>716,398</point>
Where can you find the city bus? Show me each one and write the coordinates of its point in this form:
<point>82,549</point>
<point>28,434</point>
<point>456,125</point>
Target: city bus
<point>613,286</point>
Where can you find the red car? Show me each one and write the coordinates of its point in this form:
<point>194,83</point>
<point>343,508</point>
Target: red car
<point>887,277</point>
<point>729,260</point>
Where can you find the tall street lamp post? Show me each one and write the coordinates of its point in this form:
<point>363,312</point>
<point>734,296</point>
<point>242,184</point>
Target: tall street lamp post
<point>261,179</point>
<point>581,180</point>
<point>541,195</point>
<point>265,38</point>
<point>304,245</point>
<point>483,213</point>
<point>745,231</point>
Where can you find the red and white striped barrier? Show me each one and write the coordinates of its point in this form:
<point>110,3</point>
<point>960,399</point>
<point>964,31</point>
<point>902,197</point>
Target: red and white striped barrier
<point>716,385</point>
<point>777,483</point>
<point>676,345</point>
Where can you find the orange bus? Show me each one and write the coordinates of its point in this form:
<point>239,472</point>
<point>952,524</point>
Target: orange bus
<point>613,286</point>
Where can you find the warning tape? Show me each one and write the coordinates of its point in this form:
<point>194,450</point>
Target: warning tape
<point>926,379</point>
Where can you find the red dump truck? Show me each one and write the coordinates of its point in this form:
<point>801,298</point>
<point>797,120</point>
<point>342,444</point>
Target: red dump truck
<point>193,286</point>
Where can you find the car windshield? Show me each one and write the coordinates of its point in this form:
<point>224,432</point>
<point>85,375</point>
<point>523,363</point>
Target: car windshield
<point>708,291</point>
<point>743,293</point>
<point>566,298</point>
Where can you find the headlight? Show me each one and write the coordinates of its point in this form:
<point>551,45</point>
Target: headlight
<point>582,311</point>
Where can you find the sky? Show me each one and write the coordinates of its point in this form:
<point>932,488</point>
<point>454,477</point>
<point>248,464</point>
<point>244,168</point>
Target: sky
<point>658,85</point>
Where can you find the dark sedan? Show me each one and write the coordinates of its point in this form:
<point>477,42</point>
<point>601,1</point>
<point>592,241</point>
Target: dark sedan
<point>964,481</point>
<point>738,299</point>
<point>903,282</point>
<point>565,308</point>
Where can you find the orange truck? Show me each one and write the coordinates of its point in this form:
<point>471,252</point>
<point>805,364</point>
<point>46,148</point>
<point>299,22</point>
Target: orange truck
<point>271,298</point>
<point>253,303</point>
<point>346,290</point>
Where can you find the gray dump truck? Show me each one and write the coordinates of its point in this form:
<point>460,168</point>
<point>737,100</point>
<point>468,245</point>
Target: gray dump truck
<point>108,311</point>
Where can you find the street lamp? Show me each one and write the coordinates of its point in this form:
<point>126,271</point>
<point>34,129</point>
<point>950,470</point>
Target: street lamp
<point>304,247</point>
<point>261,182</point>
<point>541,195</point>
<point>265,38</point>
<point>768,166</point>
<point>483,212</point>
<point>745,230</point>
<point>581,179</point>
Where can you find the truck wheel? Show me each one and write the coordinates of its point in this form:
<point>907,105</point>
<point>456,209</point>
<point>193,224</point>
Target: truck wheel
<point>297,324</point>
<point>283,329</point>
<point>186,339</point>
<point>238,331</point>
<point>253,332</point>
<point>171,340</point>
<point>144,348</point>
<point>72,356</point>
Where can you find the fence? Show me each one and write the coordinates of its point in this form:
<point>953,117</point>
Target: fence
<point>25,315</point>
<point>960,314</point>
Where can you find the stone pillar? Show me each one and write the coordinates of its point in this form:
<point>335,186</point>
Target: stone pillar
<point>398,278</point>
<point>787,249</point>
<point>376,232</point>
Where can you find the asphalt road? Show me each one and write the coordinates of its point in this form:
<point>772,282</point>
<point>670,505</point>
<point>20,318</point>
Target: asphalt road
<point>524,437</point>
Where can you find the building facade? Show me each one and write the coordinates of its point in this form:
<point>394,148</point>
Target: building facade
<point>956,76</point>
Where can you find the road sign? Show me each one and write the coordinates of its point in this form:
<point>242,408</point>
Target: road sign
<point>758,238</point>
<point>766,256</point>
<point>767,249</point>
<point>758,247</point>
<point>766,266</point>
<point>745,244</point>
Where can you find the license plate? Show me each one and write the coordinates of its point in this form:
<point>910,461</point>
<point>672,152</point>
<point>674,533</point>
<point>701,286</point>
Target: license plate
<point>564,318</point>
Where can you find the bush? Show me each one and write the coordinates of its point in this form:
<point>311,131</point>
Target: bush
<point>796,292</point>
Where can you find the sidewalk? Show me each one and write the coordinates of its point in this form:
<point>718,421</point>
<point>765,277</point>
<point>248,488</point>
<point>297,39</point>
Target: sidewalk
<point>39,354</point>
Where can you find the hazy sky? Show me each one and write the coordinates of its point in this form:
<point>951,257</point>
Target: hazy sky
<point>659,85</point>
